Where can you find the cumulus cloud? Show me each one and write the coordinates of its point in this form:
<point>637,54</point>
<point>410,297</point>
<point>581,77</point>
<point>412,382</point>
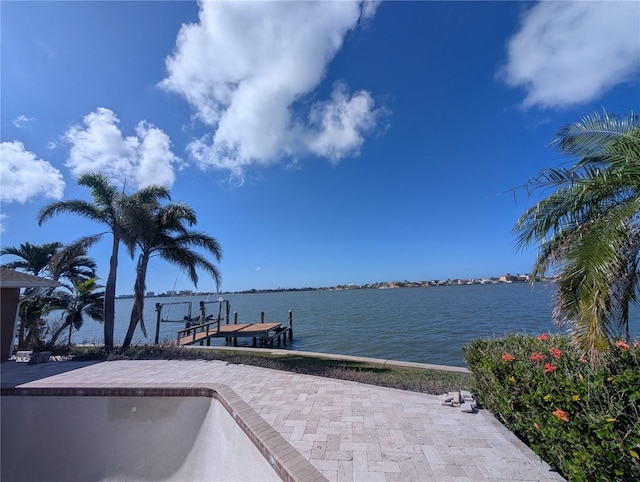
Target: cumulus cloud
<point>248,68</point>
<point>23,176</point>
<point>338,124</point>
<point>141,159</point>
<point>568,53</point>
<point>22,121</point>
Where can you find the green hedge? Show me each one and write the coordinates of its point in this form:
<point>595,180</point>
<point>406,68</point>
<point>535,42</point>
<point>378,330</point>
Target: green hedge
<point>584,422</point>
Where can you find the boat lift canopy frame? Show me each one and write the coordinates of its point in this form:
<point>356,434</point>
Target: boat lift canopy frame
<point>187,319</point>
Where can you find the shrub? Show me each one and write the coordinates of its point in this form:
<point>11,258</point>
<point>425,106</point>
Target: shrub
<point>583,421</point>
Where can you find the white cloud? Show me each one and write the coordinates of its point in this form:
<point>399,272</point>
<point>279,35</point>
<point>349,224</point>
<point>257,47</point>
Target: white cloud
<point>569,53</point>
<point>246,67</point>
<point>22,121</point>
<point>142,159</point>
<point>338,124</point>
<point>24,176</point>
<point>369,8</point>
<point>3,220</point>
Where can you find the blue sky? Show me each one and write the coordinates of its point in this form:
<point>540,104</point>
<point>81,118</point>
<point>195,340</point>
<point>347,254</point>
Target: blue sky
<point>320,143</point>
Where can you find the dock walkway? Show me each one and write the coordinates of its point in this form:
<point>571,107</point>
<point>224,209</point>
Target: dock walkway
<point>263,334</point>
<point>202,329</point>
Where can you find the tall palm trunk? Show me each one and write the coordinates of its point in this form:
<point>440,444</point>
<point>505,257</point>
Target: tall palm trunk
<point>138,301</point>
<point>110,296</point>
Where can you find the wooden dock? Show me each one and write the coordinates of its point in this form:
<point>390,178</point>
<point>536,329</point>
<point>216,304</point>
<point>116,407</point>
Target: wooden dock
<point>263,334</point>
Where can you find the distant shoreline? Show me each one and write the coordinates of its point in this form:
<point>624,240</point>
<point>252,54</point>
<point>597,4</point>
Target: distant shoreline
<point>506,279</point>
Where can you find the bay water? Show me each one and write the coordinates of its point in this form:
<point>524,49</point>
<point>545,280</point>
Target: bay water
<point>426,325</point>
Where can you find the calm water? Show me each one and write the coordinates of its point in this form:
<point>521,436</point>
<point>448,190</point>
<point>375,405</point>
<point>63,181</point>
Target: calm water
<point>426,325</point>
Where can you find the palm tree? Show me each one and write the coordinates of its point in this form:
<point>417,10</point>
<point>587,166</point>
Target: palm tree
<point>33,259</point>
<point>106,210</point>
<point>53,260</point>
<point>588,228</point>
<point>160,230</point>
<point>82,298</point>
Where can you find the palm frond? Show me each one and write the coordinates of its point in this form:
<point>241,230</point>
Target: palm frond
<point>587,227</point>
<point>71,260</point>
<point>74,206</point>
<point>587,137</point>
<point>105,194</point>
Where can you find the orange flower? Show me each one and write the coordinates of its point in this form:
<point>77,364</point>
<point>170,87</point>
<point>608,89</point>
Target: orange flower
<point>508,357</point>
<point>622,345</point>
<point>555,352</point>
<point>542,337</point>
<point>548,368</point>
<point>561,414</point>
<point>535,424</point>
<point>536,357</point>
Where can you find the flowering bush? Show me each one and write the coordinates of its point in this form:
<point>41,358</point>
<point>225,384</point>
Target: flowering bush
<point>584,422</point>
<point>508,357</point>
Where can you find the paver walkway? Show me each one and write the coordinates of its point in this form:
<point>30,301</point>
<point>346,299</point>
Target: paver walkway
<point>349,431</point>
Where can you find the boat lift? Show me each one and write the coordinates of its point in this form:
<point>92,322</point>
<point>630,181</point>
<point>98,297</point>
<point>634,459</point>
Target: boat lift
<point>188,319</point>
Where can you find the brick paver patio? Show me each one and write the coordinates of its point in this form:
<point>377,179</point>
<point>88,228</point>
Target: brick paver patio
<point>349,431</point>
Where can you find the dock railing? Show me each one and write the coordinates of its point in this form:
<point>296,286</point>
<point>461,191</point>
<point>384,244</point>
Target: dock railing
<point>193,330</point>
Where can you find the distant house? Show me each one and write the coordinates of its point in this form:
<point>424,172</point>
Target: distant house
<point>11,282</point>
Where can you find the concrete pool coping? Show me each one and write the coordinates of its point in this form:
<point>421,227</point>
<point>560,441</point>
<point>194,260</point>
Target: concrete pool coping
<point>347,430</point>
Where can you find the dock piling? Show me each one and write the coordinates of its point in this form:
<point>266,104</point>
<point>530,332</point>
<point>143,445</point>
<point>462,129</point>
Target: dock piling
<point>290,326</point>
<point>159,311</point>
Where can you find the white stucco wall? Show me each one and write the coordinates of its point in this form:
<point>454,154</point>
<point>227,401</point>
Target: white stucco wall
<point>87,439</point>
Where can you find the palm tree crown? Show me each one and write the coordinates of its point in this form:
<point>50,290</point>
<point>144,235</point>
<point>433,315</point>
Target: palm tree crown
<point>82,298</point>
<point>65,263</point>
<point>33,259</point>
<point>588,228</point>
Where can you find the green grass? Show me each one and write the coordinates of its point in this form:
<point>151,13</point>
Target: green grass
<point>430,381</point>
